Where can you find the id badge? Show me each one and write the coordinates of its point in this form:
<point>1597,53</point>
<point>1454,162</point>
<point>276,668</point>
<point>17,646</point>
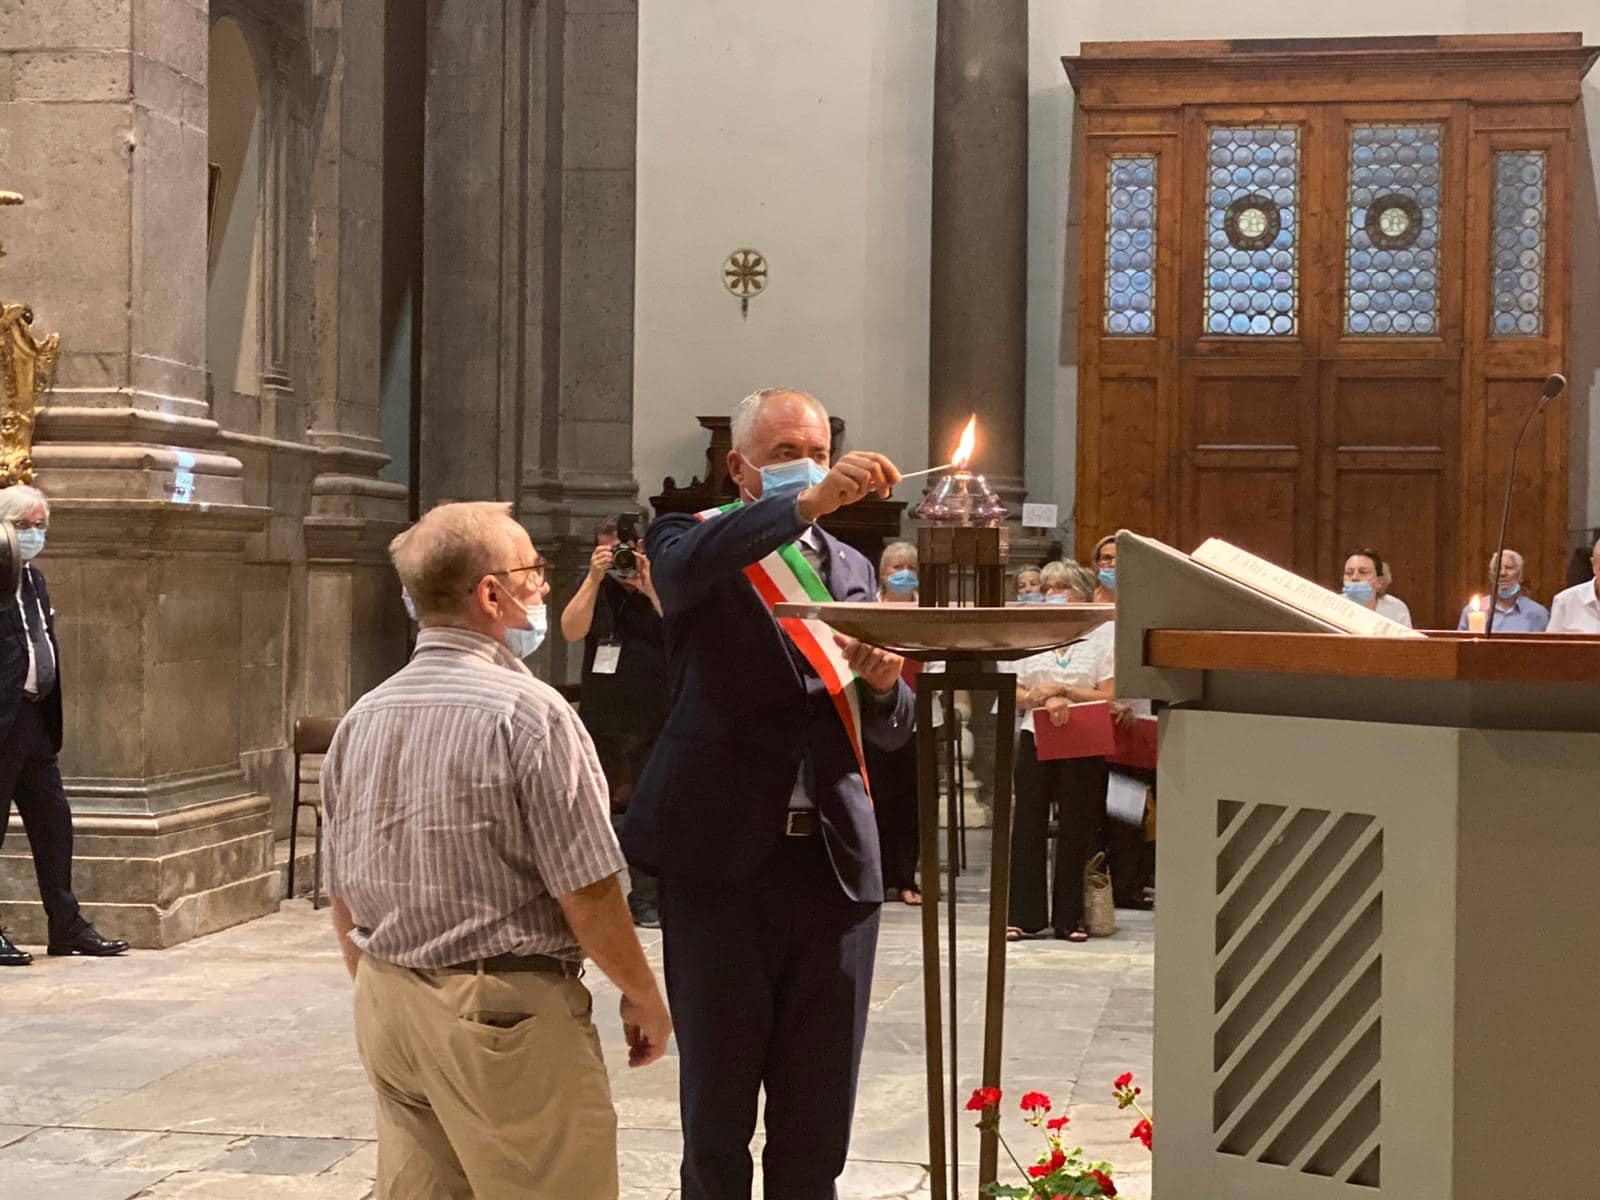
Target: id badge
<point>606,657</point>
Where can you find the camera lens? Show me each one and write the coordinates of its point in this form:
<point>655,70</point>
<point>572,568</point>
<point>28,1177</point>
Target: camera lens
<point>623,560</point>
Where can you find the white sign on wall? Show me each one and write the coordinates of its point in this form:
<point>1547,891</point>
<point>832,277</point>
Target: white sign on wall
<point>1039,516</point>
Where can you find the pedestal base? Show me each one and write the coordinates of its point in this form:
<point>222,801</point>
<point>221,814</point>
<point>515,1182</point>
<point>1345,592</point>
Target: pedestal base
<point>155,880</point>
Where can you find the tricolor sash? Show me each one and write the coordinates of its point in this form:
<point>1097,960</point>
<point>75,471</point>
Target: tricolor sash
<point>784,576</point>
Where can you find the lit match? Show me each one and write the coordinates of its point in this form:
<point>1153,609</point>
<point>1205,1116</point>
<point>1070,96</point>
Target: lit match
<point>962,456</point>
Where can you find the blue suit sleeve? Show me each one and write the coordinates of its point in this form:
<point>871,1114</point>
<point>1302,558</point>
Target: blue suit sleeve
<point>690,557</point>
<point>888,721</point>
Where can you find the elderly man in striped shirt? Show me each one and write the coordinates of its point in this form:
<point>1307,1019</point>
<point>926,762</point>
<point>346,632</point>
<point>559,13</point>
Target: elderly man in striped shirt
<point>472,866</point>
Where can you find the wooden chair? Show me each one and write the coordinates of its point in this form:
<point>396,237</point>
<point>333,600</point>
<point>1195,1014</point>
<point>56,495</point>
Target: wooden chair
<point>312,736</point>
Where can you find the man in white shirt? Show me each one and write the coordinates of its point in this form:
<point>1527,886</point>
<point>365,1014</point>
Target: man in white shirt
<point>1577,610</point>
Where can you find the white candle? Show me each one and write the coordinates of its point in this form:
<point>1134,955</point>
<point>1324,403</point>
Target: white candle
<point>1477,616</point>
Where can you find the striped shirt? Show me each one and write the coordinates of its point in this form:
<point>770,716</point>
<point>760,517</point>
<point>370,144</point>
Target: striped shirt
<point>460,798</point>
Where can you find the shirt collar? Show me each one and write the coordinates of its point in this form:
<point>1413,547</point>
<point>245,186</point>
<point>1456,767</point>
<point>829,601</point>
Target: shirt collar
<point>812,538</point>
<point>464,643</point>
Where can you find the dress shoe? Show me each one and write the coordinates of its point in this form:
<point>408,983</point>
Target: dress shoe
<point>88,942</point>
<point>10,956</point>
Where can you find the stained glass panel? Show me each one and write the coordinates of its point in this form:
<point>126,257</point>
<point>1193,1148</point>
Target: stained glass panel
<point>1392,242</point>
<point>1252,215</point>
<point>1519,248</point>
<point>1130,245</point>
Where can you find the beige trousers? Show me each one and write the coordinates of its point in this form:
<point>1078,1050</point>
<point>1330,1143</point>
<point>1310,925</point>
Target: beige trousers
<point>490,1087</point>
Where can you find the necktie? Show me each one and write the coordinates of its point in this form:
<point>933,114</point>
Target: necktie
<point>44,659</point>
<point>819,564</point>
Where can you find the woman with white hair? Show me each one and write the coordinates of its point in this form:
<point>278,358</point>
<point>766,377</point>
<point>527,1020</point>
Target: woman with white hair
<point>30,738</point>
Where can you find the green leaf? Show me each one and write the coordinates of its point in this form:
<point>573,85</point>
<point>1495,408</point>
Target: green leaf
<point>1005,1189</point>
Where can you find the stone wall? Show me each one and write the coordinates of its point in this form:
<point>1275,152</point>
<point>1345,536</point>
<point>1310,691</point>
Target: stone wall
<point>216,564</point>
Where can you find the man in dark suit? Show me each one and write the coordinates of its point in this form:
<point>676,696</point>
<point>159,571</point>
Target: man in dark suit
<point>30,738</point>
<point>754,813</point>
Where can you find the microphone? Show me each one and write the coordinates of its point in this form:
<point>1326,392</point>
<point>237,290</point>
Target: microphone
<point>1553,387</point>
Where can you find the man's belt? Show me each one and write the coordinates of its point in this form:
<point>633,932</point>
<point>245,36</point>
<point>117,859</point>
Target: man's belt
<point>510,964</point>
<point>801,823</point>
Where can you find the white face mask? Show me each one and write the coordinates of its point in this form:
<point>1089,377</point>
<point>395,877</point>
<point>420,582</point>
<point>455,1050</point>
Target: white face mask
<point>523,642</point>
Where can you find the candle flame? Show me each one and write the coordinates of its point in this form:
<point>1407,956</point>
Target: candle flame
<point>1477,604</point>
<point>964,448</point>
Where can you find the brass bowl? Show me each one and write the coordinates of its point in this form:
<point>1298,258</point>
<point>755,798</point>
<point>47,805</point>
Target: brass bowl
<point>1011,631</point>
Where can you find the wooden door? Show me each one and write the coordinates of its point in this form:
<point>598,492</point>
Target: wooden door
<point>1356,283</point>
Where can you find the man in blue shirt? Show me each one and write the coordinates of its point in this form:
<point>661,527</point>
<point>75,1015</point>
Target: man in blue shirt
<point>1514,610</point>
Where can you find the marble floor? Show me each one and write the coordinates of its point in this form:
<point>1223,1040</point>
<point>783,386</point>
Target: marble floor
<point>225,1068</point>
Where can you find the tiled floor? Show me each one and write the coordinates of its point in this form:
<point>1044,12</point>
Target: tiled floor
<point>225,1068</point>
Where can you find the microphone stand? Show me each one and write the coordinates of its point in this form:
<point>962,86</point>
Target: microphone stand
<point>1552,389</point>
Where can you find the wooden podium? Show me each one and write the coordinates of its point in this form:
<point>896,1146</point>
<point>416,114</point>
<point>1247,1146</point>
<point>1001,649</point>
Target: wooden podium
<point>1378,936</point>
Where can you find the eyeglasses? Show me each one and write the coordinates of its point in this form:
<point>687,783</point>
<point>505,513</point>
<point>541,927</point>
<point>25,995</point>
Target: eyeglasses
<point>538,568</point>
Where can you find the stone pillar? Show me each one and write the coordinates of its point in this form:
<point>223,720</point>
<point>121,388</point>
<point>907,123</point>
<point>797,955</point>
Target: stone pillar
<point>355,627</point>
<point>978,289</point>
<point>103,125</point>
<point>528,279</point>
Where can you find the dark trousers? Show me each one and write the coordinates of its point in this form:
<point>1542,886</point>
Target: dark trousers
<point>894,804</point>
<point>1076,789</point>
<point>769,988</point>
<point>30,776</point>
<point>622,758</point>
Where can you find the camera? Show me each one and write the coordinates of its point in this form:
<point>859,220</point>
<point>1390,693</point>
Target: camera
<point>624,561</point>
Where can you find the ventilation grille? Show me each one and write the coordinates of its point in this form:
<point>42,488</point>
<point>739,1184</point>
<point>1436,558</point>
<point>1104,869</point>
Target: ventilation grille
<point>1299,1001</point>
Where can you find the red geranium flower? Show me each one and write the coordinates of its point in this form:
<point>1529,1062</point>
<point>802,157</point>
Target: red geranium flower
<point>1104,1180</point>
<point>982,1098</point>
<point>1057,1122</point>
<point>1035,1100</point>
<point>1123,1080</point>
<point>1055,1162</point>
<point>1145,1132</point>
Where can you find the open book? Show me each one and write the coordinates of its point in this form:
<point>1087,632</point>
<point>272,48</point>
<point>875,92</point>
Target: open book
<point>1288,588</point>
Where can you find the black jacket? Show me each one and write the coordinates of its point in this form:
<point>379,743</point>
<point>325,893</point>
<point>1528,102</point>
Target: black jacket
<point>746,709</point>
<point>14,661</point>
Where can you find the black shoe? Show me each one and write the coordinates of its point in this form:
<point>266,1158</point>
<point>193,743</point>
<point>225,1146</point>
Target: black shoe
<point>88,942</point>
<point>10,956</point>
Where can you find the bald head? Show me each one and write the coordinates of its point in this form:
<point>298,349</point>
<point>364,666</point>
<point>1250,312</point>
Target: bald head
<point>442,557</point>
<point>758,411</point>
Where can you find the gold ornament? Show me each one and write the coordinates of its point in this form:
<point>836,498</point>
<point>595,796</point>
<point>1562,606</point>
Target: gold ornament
<point>27,365</point>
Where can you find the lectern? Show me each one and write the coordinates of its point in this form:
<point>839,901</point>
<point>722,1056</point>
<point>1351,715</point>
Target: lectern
<point>1378,963</point>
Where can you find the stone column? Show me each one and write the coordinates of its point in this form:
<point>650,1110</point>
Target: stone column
<point>978,290</point>
<point>103,124</point>
<point>528,279</point>
<point>355,629</point>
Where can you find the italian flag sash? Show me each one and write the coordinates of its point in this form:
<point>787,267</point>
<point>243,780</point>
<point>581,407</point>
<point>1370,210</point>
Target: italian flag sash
<point>784,576</point>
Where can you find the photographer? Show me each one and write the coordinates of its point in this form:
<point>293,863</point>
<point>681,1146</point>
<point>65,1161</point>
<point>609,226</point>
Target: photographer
<point>623,703</point>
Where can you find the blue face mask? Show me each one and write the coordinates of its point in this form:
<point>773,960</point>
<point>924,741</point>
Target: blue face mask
<point>1058,598</point>
<point>901,583</point>
<point>1030,598</point>
<point>791,477</point>
<point>1512,592</point>
<point>1358,590</point>
<point>31,543</point>
<point>410,605</point>
<point>1108,578</point>
<point>523,642</point>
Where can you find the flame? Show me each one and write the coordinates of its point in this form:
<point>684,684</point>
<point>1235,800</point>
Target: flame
<point>964,448</point>
<point>1477,604</point>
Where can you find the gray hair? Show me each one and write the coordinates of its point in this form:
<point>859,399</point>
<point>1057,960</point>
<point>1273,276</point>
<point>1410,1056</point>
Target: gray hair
<point>1070,574</point>
<point>896,550</point>
<point>1511,556</point>
<point>442,557</point>
<point>17,501</point>
<point>748,409</point>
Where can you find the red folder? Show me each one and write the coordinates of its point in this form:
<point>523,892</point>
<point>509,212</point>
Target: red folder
<point>1136,745</point>
<point>1087,734</point>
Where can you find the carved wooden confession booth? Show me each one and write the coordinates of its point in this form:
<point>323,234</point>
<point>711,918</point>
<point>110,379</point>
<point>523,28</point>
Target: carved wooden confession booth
<point>1321,282</point>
